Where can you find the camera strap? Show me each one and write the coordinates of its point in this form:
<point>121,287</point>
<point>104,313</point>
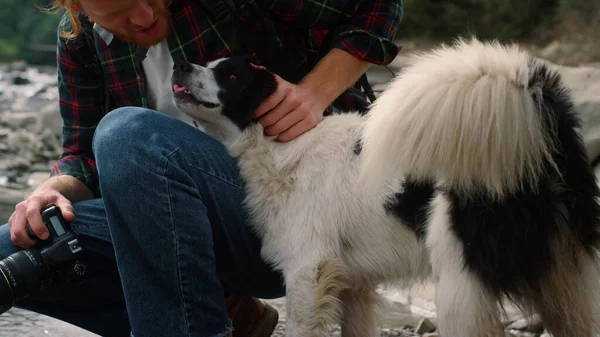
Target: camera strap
<point>219,9</point>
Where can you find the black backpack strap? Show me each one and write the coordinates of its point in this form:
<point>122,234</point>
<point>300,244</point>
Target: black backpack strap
<point>219,9</point>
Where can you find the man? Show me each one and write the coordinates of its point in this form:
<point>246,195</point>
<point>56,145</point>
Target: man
<point>145,189</point>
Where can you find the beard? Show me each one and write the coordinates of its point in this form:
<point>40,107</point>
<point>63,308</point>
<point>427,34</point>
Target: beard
<point>131,35</point>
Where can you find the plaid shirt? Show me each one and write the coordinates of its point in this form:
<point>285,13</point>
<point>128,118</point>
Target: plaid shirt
<point>92,82</point>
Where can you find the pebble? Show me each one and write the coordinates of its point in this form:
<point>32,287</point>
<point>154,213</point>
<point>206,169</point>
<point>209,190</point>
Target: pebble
<point>527,324</point>
<point>425,326</point>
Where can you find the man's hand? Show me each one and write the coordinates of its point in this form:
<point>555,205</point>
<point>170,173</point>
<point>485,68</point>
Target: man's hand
<point>295,109</point>
<point>58,190</point>
<point>290,111</point>
<point>29,212</point>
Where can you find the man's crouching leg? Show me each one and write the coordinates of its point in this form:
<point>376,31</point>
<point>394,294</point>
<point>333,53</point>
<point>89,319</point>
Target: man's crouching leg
<point>182,238</point>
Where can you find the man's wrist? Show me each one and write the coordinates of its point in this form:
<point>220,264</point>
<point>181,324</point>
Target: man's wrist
<point>335,73</point>
<point>70,187</point>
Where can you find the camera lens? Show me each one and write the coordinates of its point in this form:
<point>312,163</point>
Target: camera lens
<point>6,295</point>
<point>20,274</point>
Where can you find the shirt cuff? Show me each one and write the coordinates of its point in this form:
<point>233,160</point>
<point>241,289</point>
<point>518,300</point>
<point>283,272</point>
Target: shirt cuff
<point>366,46</point>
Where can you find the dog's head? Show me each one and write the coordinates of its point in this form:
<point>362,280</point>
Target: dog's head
<point>224,94</point>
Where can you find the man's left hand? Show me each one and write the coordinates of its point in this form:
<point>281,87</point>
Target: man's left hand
<point>290,111</point>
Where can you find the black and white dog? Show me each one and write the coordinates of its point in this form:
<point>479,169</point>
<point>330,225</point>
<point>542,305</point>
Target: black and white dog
<point>468,169</point>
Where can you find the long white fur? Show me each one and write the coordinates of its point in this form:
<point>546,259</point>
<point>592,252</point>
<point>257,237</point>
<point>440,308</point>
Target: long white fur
<point>457,116</point>
<point>463,305</point>
<point>462,114</point>
<point>308,206</point>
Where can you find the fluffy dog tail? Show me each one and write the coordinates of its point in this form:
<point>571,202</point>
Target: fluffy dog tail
<point>461,114</point>
<point>490,124</point>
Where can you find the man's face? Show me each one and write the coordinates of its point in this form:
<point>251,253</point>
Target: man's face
<point>141,22</point>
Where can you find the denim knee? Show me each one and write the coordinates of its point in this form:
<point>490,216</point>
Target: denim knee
<point>120,127</point>
<point>6,246</point>
<point>125,139</point>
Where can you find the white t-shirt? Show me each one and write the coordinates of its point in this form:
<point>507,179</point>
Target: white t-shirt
<point>158,68</point>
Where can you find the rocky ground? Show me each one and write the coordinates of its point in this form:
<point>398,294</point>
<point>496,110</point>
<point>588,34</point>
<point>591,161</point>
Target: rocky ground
<point>29,130</point>
<point>30,142</point>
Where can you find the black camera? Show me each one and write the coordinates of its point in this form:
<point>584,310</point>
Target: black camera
<point>28,271</point>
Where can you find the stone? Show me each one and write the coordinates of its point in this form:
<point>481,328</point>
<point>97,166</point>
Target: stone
<point>36,178</point>
<point>528,324</point>
<point>518,333</point>
<point>20,120</point>
<point>49,118</point>
<point>4,132</point>
<point>20,80</point>
<point>19,164</point>
<point>424,326</point>
<point>24,144</point>
<point>584,83</point>
<point>550,50</point>
<point>17,66</point>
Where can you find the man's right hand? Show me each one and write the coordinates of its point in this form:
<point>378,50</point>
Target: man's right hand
<point>29,211</point>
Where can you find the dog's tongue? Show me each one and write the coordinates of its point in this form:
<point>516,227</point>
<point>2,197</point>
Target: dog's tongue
<point>178,88</point>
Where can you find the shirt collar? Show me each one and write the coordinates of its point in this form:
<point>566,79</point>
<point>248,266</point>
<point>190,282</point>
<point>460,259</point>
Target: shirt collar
<point>104,34</point>
<point>107,36</point>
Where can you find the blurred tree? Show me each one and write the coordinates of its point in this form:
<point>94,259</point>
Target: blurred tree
<point>27,32</point>
<point>503,19</point>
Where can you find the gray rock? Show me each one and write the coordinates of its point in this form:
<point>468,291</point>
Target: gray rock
<point>20,120</point>
<point>20,80</point>
<point>49,118</point>
<point>24,143</point>
<point>425,325</point>
<point>518,333</point>
<point>19,66</point>
<point>551,49</point>
<point>36,178</point>
<point>527,324</point>
<point>584,83</point>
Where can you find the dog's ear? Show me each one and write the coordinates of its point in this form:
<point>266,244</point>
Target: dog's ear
<point>255,84</point>
<point>255,66</point>
<point>264,81</point>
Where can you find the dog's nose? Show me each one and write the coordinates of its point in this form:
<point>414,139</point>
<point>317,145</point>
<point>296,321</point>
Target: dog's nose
<point>183,66</point>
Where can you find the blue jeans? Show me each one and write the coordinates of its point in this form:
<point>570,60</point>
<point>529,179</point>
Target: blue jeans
<point>172,219</point>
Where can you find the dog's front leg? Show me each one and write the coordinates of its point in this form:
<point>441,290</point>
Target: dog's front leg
<point>314,298</point>
<point>359,313</point>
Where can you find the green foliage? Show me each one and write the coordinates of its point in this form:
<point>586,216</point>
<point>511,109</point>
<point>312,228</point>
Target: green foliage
<point>503,19</point>
<point>8,51</point>
<point>23,26</point>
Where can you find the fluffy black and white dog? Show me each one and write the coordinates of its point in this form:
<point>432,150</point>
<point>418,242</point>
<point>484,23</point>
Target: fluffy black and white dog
<point>468,169</point>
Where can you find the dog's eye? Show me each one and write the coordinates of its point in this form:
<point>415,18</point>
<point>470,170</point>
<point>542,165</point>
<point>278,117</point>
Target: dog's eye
<point>232,76</point>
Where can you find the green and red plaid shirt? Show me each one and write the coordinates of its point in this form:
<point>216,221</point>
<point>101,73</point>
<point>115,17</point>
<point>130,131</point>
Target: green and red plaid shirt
<point>92,82</point>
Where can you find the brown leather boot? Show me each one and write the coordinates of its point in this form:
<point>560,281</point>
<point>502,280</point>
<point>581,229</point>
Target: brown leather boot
<point>251,317</point>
